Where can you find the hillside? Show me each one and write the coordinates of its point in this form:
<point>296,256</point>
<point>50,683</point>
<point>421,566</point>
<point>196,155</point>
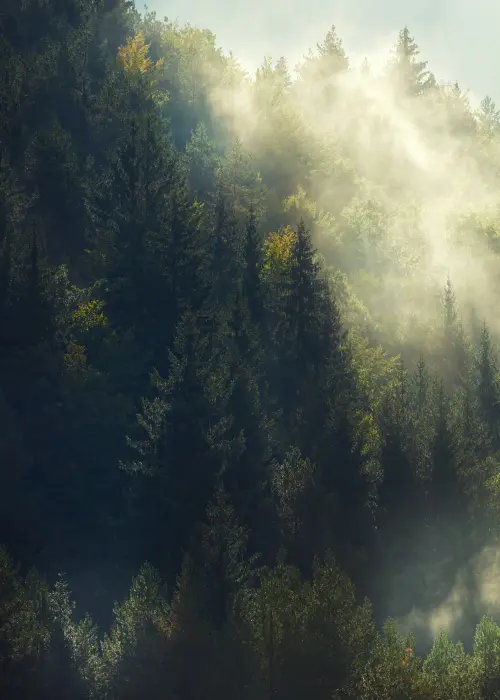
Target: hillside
<point>249,380</point>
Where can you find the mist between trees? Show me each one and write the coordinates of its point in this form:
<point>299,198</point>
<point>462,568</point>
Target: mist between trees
<point>248,369</point>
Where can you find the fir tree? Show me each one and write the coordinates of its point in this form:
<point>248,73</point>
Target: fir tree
<point>410,74</point>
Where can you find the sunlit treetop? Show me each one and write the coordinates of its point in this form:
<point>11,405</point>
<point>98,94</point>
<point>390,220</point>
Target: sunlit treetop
<point>278,249</point>
<point>90,315</point>
<point>133,56</point>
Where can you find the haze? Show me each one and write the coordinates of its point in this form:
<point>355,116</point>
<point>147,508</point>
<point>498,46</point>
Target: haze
<point>459,38</point>
<point>249,351</point>
<point>417,169</point>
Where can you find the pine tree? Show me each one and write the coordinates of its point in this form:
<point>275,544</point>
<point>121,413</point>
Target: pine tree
<point>203,162</point>
<point>135,654</point>
<point>489,118</point>
<point>225,260</point>
<point>303,298</point>
<point>252,283</point>
<point>330,60</point>
<point>239,184</point>
<point>187,446</point>
<point>188,252</point>
<point>409,73</point>
<point>456,359</point>
<point>487,384</point>
<point>129,208</point>
<point>399,494</point>
<point>299,348</point>
<point>212,583</point>
<point>458,111</point>
<point>296,493</point>
<point>445,486</point>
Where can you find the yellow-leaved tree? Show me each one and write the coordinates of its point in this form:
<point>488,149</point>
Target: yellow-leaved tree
<point>278,250</point>
<point>133,56</point>
<point>134,59</point>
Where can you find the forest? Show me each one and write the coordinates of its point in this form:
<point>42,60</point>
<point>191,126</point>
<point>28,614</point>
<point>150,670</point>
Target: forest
<point>249,368</point>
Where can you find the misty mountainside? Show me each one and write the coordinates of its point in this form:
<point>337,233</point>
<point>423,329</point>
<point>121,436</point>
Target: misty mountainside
<point>249,379</point>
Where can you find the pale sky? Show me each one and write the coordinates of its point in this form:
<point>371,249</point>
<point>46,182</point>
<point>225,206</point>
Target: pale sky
<point>459,38</point>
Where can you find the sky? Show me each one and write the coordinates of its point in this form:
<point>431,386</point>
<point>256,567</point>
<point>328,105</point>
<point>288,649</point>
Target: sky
<point>459,38</point>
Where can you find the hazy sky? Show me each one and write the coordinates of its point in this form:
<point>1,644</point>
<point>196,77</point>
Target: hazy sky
<point>459,38</point>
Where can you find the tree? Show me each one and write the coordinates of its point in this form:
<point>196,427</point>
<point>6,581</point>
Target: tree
<point>486,648</point>
<point>307,634</point>
<point>185,426</point>
<point>204,609</point>
<point>400,493</point>
<point>329,61</point>
<point>447,494</point>
<point>410,75</point>
<point>203,162</point>
<point>298,339</point>
<point>225,259</point>
<point>456,353</point>
<point>487,384</point>
<point>448,671</point>
<point>252,283</point>
<point>238,182</point>
<point>136,651</point>
<point>488,117</point>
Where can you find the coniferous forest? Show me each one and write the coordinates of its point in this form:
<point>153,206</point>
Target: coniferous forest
<point>249,379</point>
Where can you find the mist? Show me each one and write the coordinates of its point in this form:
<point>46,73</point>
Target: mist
<point>419,163</point>
<point>400,190</point>
<point>474,592</point>
<point>250,367</point>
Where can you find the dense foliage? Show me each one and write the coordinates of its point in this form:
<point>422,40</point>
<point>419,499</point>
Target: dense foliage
<point>247,336</point>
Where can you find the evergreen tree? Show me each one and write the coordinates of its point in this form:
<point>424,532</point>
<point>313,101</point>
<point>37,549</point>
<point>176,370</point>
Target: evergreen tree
<point>135,654</point>
<point>225,268</point>
<point>446,488</point>
<point>487,384</point>
<point>299,351</point>
<point>139,169</point>
<point>186,447</point>
<point>409,73</point>
<point>489,118</point>
<point>252,283</point>
<point>203,162</point>
<point>456,357</point>
<point>329,61</point>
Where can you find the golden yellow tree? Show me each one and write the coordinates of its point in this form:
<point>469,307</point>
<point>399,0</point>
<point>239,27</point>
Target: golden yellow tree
<point>133,56</point>
<point>278,250</point>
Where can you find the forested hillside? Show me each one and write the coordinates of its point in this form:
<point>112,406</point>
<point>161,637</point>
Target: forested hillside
<point>249,380</point>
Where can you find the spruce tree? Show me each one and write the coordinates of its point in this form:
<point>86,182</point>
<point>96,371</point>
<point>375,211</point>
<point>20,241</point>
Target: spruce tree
<point>409,73</point>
